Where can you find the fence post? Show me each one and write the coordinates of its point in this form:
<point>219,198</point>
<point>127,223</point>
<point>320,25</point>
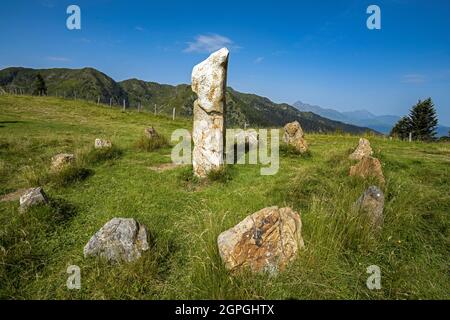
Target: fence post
<point>123,105</point>
<point>410,136</point>
<point>98,100</point>
<point>173,114</point>
<point>155,109</point>
<point>110,102</point>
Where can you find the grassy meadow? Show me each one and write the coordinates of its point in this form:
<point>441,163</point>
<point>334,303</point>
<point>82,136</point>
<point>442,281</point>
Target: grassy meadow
<point>184,216</point>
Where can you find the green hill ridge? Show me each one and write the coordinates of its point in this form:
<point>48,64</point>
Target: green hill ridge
<point>91,84</point>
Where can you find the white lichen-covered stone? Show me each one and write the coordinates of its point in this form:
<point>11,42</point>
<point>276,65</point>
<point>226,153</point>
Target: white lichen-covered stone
<point>101,143</point>
<point>32,197</point>
<point>209,83</point>
<point>118,240</point>
<point>62,160</point>
<point>362,150</point>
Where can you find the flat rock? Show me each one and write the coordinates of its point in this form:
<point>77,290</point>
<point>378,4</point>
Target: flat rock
<point>101,144</point>
<point>368,167</point>
<point>362,150</point>
<point>12,196</point>
<point>118,240</point>
<point>62,160</point>
<point>294,136</point>
<point>371,204</point>
<point>32,197</point>
<point>265,241</point>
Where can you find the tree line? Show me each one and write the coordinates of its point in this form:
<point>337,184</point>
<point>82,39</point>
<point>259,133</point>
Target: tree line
<point>420,124</point>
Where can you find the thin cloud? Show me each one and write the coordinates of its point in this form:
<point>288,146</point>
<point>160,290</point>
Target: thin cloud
<point>58,59</point>
<point>413,78</point>
<point>138,28</point>
<point>209,43</point>
<point>258,60</point>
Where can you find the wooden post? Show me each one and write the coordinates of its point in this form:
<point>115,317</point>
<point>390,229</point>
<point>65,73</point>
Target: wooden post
<point>155,109</point>
<point>110,102</point>
<point>98,100</point>
<point>410,137</point>
<point>173,114</point>
<point>123,105</point>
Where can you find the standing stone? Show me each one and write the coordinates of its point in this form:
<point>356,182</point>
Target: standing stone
<point>62,160</point>
<point>102,144</point>
<point>150,132</point>
<point>362,150</point>
<point>209,80</point>
<point>118,240</point>
<point>265,241</point>
<point>294,136</point>
<point>371,203</point>
<point>32,197</point>
<point>368,167</point>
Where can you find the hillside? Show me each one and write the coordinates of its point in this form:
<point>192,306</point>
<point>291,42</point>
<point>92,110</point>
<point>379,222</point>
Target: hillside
<point>363,118</point>
<point>184,217</point>
<point>242,108</point>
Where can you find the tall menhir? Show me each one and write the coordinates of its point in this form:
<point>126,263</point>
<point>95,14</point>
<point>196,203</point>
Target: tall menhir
<point>209,82</point>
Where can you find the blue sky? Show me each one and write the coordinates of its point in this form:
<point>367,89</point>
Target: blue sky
<point>319,52</point>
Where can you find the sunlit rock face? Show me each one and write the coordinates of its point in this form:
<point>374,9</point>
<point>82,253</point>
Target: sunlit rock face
<point>265,241</point>
<point>209,80</point>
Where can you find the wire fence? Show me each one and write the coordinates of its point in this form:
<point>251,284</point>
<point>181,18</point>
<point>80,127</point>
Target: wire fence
<point>108,101</point>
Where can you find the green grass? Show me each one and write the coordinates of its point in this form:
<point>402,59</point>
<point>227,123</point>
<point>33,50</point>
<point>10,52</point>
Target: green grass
<point>184,215</point>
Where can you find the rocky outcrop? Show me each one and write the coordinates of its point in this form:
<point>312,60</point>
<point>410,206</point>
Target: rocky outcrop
<point>371,204</point>
<point>209,83</point>
<point>368,167</point>
<point>294,136</point>
<point>119,240</point>
<point>102,144</point>
<point>62,160</point>
<point>362,150</point>
<point>265,241</point>
<point>32,197</point>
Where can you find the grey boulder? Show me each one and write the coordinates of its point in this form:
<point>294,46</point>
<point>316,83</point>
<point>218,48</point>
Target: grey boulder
<point>119,240</point>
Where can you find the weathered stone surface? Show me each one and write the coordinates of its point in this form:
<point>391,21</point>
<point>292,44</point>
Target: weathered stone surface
<point>265,241</point>
<point>32,197</point>
<point>368,167</point>
<point>294,136</point>
<point>101,143</point>
<point>209,83</point>
<point>362,150</point>
<point>118,240</point>
<point>371,204</point>
<point>62,160</point>
<point>150,132</point>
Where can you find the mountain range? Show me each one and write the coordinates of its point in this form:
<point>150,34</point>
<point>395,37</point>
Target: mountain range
<point>364,118</point>
<point>91,84</point>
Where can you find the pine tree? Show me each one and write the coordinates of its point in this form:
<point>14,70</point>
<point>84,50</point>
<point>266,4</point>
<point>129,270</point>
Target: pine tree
<point>423,120</point>
<point>402,128</point>
<point>39,87</point>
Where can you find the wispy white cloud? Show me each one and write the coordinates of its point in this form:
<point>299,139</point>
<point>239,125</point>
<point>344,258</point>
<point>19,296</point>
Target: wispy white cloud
<point>258,60</point>
<point>206,43</point>
<point>139,28</point>
<point>58,59</point>
<point>413,78</point>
